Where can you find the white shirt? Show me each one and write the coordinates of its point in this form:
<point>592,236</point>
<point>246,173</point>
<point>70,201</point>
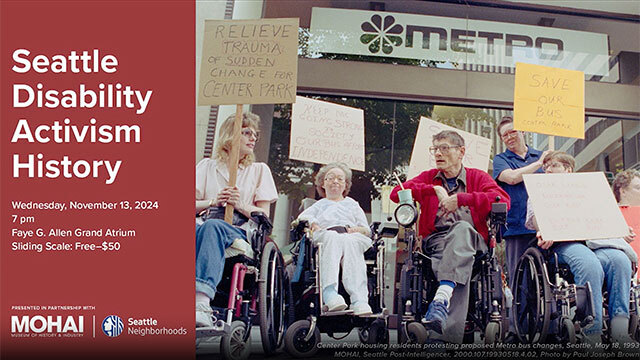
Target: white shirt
<point>255,181</point>
<point>328,213</point>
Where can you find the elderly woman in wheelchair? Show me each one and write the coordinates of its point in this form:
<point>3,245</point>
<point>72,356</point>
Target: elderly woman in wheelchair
<point>592,264</point>
<point>237,268</point>
<point>332,237</point>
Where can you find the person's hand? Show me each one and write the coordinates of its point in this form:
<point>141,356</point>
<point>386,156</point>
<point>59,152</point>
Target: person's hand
<point>315,227</point>
<point>545,244</point>
<point>221,198</point>
<point>544,155</point>
<point>632,235</point>
<point>450,203</point>
<point>234,196</point>
<point>358,229</point>
<point>441,193</point>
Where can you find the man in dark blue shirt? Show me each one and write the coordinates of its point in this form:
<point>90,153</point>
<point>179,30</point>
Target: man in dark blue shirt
<point>508,168</point>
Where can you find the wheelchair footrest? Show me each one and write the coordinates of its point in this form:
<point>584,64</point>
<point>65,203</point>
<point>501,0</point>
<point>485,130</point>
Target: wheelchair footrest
<point>225,329</point>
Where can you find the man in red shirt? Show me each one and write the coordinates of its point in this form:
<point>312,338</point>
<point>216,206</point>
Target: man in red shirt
<point>455,203</point>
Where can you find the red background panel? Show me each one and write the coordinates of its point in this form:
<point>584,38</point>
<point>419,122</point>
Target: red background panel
<point>152,275</point>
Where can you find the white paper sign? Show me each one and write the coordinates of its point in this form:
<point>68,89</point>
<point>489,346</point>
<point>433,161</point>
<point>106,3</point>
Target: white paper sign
<point>575,206</point>
<point>323,132</point>
<point>477,153</point>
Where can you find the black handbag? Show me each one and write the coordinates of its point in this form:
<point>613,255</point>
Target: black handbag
<point>217,212</point>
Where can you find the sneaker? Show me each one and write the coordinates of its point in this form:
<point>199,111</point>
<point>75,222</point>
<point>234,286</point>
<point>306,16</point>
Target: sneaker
<point>333,300</point>
<point>436,317</point>
<point>204,316</point>
<point>361,308</point>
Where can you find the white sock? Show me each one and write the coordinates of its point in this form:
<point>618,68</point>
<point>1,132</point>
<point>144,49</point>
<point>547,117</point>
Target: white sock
<point>202,298</point>
<point>444,292</point>
<point>620,327</point>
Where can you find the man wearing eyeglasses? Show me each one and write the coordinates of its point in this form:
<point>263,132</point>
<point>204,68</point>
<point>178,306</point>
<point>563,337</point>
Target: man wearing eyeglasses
<point>455,202</point>
<point>508,168</point>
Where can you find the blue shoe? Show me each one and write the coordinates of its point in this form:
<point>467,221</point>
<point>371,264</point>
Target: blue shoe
<point>436,317</point>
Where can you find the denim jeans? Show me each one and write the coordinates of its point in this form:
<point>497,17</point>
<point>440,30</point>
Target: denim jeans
<point>594,266</point>
<point>212,238</point>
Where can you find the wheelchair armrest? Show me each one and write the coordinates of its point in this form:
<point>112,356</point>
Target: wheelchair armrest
<point>374,227</point>
<point>389,230</point>
<point>262,220</point>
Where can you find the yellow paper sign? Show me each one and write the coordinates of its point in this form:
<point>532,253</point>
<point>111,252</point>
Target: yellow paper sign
<point>549,101</point>
<point>249,62</point>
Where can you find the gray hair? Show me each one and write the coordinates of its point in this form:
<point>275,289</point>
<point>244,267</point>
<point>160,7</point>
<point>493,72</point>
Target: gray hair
<point>453,137</point>
<point>322,173</point>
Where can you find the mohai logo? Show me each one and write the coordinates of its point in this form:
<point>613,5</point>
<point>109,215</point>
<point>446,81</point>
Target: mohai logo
<point>50,324</point>
<point>112,325</point>
<point>381,36</point>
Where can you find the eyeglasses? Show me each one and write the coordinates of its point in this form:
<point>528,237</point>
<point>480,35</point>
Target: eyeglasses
<point>509,134</point>
<point>444,149</point>
<point>247,132</point>
<point>552,165</point>
<point>331,178</point>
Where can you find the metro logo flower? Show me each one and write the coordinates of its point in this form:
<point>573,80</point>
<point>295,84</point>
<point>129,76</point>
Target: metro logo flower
<point>381,37</point>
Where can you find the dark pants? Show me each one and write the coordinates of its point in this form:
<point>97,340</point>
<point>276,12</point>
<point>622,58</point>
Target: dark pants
<point>515,246</point>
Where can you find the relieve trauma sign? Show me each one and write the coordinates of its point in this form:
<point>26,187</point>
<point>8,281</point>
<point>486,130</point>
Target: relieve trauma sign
<point>249,62</point>
<point>455,40</point>
<point>549,101</point>
<point>323,132</point>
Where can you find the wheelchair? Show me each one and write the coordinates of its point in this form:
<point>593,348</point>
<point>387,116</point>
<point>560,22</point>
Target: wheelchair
<point>254,286</point>
<point>540,301</point>
<point>302,337</point>
<point>487,312</point>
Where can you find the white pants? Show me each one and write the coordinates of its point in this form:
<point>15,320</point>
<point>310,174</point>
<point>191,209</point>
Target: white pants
<point>348,250</point>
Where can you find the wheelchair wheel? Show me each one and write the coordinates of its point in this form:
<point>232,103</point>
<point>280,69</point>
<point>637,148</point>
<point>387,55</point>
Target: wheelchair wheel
<point>233,346</point>
<point>492,333</point>
<point>376,333</point>
<point>568,331</point>
<point>415,334</point>
<point>294,342</point>
<point>532,298</point>
<point>271,298</point>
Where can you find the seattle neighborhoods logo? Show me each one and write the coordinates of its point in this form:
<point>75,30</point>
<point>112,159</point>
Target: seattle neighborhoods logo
<point>380,36</point>
<point>112,325</point>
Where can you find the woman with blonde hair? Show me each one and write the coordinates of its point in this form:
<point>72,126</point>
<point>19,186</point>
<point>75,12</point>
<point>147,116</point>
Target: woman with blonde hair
<point>340,225</point>
<point>255,190</point>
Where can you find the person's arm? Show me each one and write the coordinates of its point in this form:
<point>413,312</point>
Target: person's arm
<point>361,221</point>
<point>514,176</point>
<point>480,200</point>
<point>420,187</point>
<point>530,220</point>
<point>309,215</point>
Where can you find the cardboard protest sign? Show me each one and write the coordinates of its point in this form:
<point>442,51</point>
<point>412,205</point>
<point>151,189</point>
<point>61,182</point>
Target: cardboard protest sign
<point>632,216</point>
<point>323,132</point>
<point>477,153</point>
<point>549,100</point>
<point>575,206</point>
<point>249,62</point>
